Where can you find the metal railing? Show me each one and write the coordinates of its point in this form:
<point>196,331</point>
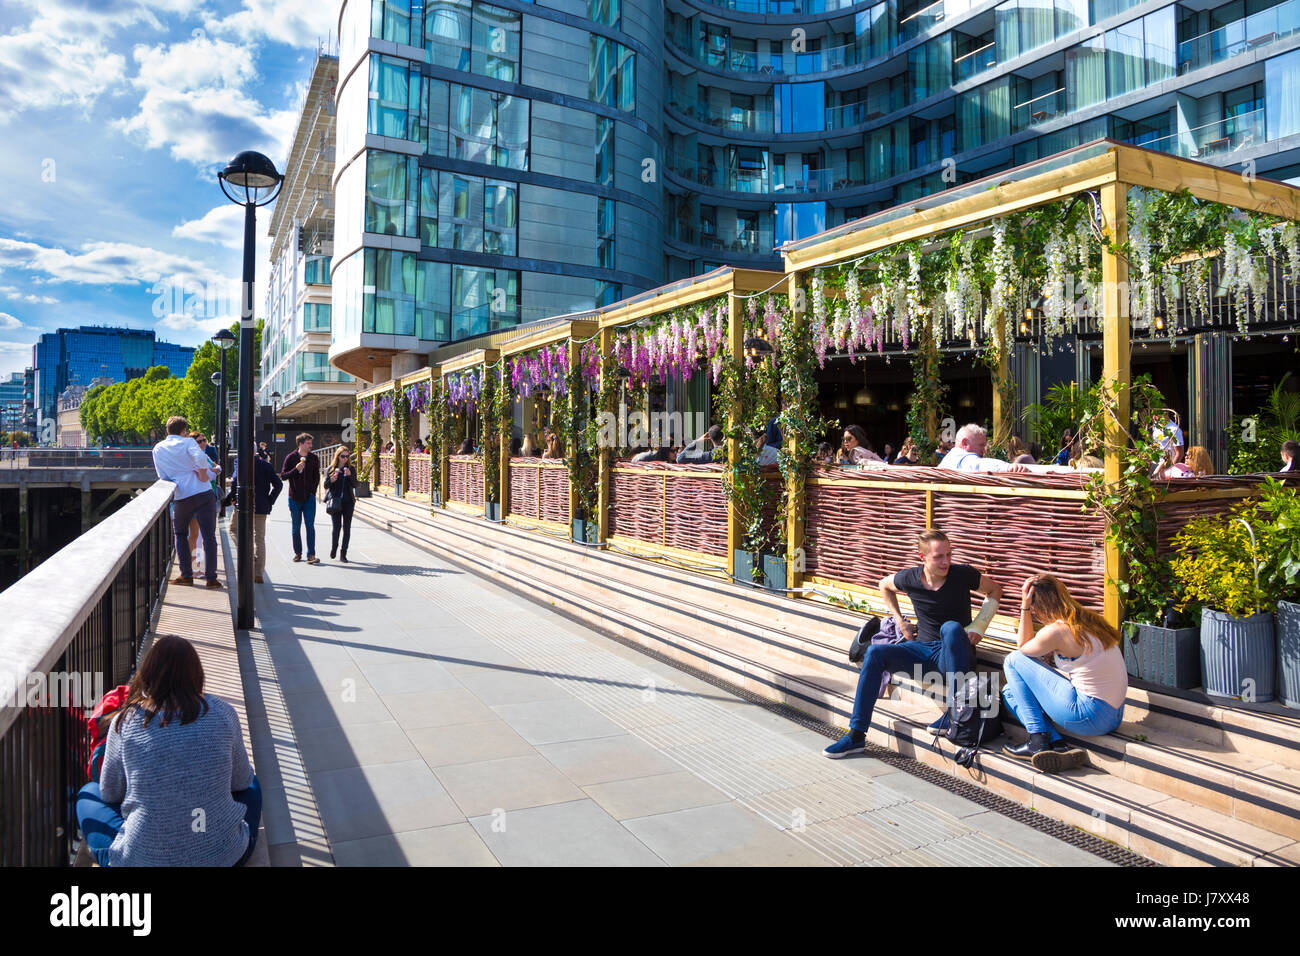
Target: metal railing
<point>76,458</point>
<point>1214,139</point>
<point>1249,33</point>
<point>74,628</point>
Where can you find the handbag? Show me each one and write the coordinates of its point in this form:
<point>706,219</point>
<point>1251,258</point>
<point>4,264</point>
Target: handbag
<point>333,503</point>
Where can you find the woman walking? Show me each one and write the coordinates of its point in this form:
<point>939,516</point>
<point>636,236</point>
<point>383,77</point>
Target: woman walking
<point>340,485</point>
<point>171,750</point>
<point>1083,693</point>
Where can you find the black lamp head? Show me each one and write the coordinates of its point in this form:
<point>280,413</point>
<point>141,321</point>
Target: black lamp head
<point>224,339</point>
<point>248,173</point>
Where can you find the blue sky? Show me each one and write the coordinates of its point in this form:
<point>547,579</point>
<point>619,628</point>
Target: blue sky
<point>115,116</point>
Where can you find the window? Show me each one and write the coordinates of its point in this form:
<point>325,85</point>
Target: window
<point>316,270</point>
<point>612,74</point>
<point>483,300</point>
<point>500,217</point>
<point>482,126</point>
<point>391,20</point>
<point>1085,75</point>
<point>604,151</point>
<point>316,317</point>
<point>473,37</point>
<point>395,99</point>
<point>607,293</point>
<point>477,215</point>
<point>608,12</point>
<point>800,107</point>
<point>315,367</point>
<point>1282,94</point>
<point>605,233</point>
<point>388,292</point>
<point>799,220</point>
<point>432,301</point>
<point>392,181</point>
<point>428,227</point>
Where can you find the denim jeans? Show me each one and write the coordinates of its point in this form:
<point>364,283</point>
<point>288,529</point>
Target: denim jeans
<point>304,512</point>
<point>951,654</point>
<point>1036,694</point>
<point>202,508</point>
<point>101,822</point>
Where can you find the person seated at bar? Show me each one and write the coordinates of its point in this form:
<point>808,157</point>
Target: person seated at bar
<point>1290,454</point>
<point>768,443</point>
<point>1198,460</point>
<point>907,455</point>
<point>1168,433</point>
<point>1172,466</point>
<point>554,447</point>
<point>467,446</point>
<point>1086,462</point>
<point>529,448</point>
<point>967,453</point>
<point>942,640</point>
<point>662,453</point>
<point>887,454</point>
<point>1018,451</point>
<point>418,447</point>
<point>1083,693</point>
<point>1068,450</point>
<point>825,454</point>
<point>170,751</point>
<point>701,450</point>
<point>855,449</point>
<point>515,445</point>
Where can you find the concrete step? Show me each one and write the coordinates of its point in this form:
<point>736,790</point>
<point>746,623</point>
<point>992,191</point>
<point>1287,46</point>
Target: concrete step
<point>1253,799</point>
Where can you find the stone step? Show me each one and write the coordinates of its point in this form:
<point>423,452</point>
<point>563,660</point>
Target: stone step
<point>813,675</point>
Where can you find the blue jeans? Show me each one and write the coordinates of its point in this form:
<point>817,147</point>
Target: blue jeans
<point>951,654</point>
<point>304,512</point>
<point>202,507</point>
<point>1036,694</point>
<point>101,822</point>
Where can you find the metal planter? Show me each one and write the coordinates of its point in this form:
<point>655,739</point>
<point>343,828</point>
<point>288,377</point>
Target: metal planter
<point>1288,653</point>
<point>1238,656</point>
<point>1163,655</point>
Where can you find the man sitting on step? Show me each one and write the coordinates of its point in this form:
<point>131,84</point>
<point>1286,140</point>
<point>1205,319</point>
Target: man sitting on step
<point>943,639</point>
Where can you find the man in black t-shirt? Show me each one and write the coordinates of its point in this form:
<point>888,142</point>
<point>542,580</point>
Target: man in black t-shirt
<point>939,642</point>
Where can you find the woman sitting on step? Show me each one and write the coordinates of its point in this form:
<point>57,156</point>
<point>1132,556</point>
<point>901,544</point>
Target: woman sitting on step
<point>1084,695</point>
<point>176,787</point>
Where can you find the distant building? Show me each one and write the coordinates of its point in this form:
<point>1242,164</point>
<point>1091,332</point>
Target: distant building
<point>12,396</point>
<point>79,356</point>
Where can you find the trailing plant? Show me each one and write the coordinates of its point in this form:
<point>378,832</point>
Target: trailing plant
<point>927,405</point>
<point>571,416</point>
<point>438,437</point>
<point>401,426</point>
<point>489,442</point>
<point>1062,409</point>
<point>1234,562</point>
<point>1130,503</point>
<point>361,411</point>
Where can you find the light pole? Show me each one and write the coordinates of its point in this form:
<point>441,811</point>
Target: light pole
<point>255,182</point>
<point>275,409</point>
<point>219,432</point>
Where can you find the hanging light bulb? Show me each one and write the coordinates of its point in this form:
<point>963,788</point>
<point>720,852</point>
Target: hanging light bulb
<point>1160,322</point>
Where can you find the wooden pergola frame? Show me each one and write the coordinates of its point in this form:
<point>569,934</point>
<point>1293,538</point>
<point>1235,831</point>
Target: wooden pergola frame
<point>1106,166</point>
<point>479,358</point>
<point>573,332</point>
<point>724,280</point>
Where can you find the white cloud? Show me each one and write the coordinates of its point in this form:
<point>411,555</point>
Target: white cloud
<point>194,328</point>
<point>221,225</point>
<point>18,295</point>
<point>197,63</point>
<point>298,23</point>
<point>9,323</point>
<point>105,264</point>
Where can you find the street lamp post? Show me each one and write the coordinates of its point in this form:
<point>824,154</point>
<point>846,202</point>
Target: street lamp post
<point>275,410</point>
<point>219,433</point>
<point>255,182</point>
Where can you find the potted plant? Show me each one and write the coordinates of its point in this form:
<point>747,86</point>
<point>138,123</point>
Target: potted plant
<point>1281,504</point>
<point>1219,564</point>
<point>774,570</point>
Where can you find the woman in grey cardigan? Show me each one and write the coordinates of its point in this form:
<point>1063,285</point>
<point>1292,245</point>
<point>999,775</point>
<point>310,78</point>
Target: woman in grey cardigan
<point>176,787</point>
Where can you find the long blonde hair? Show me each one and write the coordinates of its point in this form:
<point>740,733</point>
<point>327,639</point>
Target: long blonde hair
<point>1050,600</point>
<point>1198,459</point>
<point>341,450</point>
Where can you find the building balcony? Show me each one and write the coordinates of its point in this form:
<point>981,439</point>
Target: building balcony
<point>1248,33</point>
<point>1213,141</point>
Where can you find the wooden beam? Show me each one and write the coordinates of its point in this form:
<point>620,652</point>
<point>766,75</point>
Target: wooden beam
<point>605,453</point>
<point>1144,167</point>
<point>1005,197</point>
<point>794,488</point>
<point>1115,367</point>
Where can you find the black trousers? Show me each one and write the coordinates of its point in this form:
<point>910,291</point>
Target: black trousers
<point>341,520</point>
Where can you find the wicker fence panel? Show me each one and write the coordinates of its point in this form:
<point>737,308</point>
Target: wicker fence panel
<point>387,474</point>
<point>419,472</point>
<point>857,535</point>
<point>1010,537</point>
<point>474,474</point>
<point>458,483</point>
<point>523,488</point>
<point>555,493</point>
<point>636,509</point>
<point>1173,516</point>
<point>697,513</point>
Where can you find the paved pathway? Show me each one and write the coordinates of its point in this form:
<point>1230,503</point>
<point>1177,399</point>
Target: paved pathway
<point>406,712</point>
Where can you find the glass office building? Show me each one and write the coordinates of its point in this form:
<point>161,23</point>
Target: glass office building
<point>786,117</point>
<point>496,163</point>
<point>299,308</point>
<point>12,399</point>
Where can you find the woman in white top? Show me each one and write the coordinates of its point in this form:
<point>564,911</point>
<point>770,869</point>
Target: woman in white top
<point>1084,695</point>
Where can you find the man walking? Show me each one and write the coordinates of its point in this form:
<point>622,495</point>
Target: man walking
<point>266,488</point>
<point>302,471</point>
<point>940,594</point>
<point>178,459</point>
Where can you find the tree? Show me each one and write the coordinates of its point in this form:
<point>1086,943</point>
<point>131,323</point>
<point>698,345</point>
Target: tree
<point>201,405</point>
<point>21,437</point>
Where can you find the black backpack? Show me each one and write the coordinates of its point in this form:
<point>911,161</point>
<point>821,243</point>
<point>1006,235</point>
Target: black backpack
<point>970,724</point>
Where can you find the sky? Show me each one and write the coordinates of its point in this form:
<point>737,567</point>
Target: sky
<point>115,116</point>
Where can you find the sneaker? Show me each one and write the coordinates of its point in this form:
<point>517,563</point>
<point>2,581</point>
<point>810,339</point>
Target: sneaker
<point>182,579</point>
<point>1054,761</point>
<point>297,557</point>
<point>846,746</point>
<point>212,584</point>
<point>313,560</point>
<point>940,726</point>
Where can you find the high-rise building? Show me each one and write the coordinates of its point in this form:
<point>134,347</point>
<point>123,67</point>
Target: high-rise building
<point>496,163</point>
<point>79,356</point>
<point>12,401</point>
<point>296,336</point>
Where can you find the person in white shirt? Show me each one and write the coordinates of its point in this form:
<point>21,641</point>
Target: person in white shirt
<point>1170,436</point>
<point>967,453</point>
<point>178,459</point>
<point>1290,452</point>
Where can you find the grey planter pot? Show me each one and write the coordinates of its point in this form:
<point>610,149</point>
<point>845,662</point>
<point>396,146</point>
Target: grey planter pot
<point>1163,655</point>
<point>774,573</point>
<point>1288,653</point>
<point>745,566</point>
<point>363,489</point>
<point>492,511</point>
<point>1238,656</point>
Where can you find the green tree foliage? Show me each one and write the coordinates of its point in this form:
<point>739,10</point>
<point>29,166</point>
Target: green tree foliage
<point>134,412</point>
<point>201,401</point>
<point>22,438</point>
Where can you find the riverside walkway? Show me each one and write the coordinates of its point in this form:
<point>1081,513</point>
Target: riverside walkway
<point>407,712</point>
